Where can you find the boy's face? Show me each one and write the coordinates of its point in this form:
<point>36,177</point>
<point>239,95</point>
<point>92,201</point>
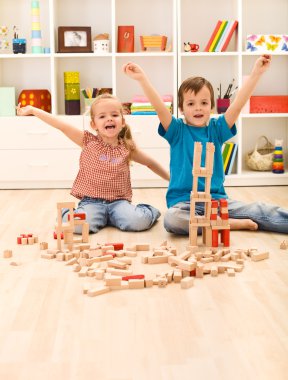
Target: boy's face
<point>197,108</point>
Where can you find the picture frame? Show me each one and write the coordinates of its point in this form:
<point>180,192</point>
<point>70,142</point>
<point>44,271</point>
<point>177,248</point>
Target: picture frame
<point>74,39</point>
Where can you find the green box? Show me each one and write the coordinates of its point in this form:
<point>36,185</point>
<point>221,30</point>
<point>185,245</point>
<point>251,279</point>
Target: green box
<point>7,101</point>
<point>72,91</point>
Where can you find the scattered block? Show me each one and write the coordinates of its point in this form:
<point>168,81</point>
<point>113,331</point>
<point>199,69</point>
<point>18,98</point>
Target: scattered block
<point>7,254</point>
<point>187,282</point>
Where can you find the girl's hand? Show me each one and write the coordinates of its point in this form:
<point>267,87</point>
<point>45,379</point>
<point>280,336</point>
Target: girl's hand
<point>24,111</point>
<point>133,71</point>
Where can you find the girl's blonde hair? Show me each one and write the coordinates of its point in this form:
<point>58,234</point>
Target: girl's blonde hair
<point>125,134</point>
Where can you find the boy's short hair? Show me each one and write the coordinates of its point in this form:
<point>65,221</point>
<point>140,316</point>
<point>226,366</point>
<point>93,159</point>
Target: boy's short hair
<point>194,84</point>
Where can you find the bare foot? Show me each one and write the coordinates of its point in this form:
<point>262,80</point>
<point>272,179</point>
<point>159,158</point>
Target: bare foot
<point>243,224</point>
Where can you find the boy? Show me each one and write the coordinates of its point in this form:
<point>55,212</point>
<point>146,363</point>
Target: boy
<point>195,101</point>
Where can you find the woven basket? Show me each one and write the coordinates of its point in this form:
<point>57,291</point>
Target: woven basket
<point>261,159</point>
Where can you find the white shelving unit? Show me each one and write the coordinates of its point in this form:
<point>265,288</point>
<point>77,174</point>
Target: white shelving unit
<point>181,21</point>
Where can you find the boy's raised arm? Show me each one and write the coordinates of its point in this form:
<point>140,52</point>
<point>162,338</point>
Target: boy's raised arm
<point>73,133</point>
<point>137,73</point>
<point>260,66</point>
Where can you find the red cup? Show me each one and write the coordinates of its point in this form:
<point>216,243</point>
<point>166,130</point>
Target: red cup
<point>222,105</point>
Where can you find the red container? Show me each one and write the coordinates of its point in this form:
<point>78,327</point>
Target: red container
<point>269,104</point>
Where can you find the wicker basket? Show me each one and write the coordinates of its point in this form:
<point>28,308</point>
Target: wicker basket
<point>261,159</point>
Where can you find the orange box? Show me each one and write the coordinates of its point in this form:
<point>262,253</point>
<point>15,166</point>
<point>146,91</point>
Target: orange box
<point>269,104</point>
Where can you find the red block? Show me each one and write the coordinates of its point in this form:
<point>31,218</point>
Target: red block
<point>55,235</point>
<point>117,246</point>
<point>214,238</point>
<point>78,215</point>
<point>225,237</point>
<point>133,277</point>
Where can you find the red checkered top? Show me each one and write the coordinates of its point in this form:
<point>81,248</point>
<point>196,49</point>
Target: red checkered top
<point>104,170</point>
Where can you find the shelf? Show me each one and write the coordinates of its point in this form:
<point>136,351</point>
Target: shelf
<point>181,21</point>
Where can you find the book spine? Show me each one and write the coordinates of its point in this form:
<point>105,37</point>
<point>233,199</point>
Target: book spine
<point>225,148</point>
<point>213,35</point>
<point>223,37</point>
<point>232,160</point>
<point>228,156</point>
<point>229,35</point>
<point>218,36</point>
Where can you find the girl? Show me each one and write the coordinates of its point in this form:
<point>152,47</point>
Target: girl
<point>103,182</point>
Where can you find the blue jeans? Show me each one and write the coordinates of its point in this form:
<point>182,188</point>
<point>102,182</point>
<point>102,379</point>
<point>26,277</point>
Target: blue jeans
<point>268,217</point>
<point>120,214</point>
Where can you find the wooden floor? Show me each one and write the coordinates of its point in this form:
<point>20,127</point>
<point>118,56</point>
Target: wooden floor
<point>222,328</point>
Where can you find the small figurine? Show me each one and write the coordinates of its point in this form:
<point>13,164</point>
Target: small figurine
<point>189,47</point>
<point>101,43</point>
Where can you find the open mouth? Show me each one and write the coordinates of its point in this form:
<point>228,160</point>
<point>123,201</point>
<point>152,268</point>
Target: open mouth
<point>110,127</point>
<point>198,116</point>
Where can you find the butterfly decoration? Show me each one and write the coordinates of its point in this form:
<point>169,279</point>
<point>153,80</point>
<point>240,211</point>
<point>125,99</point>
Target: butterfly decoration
<point>285,38</point>
<point>260,41</point>
<point>3,30</point>
<point>271,46</point>
<point>284,47</point>
<point>252,37</point>
<point>251,47</point>
<point>275,39</point>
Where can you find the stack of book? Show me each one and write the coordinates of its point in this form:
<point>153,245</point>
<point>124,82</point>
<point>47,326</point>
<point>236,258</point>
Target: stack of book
<point>141,105</point>
<point>229,150</point>
<point>221,35</point>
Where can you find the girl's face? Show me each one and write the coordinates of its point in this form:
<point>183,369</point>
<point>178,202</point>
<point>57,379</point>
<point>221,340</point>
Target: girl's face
<point>197,108</point>
<point>108,120</point>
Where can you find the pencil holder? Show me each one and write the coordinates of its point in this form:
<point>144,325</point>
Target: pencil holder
<point>222,105</point>
<point>88,103</point>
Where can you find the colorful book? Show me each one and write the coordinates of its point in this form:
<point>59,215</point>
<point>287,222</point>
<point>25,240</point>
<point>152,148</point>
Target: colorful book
<point>213,35</point>
<point>229,35</point>
<point>218,36</point>
<point>223,37</point>
<point>225,148</point>
<point>228,156</point>
<point>232,159</point>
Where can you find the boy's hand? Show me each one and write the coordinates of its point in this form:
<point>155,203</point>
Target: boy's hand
<point>262,64</point>
<point>133,71</point>
<point>24,111</point>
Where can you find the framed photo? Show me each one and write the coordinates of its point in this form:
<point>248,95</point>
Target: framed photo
<point>74,39</point>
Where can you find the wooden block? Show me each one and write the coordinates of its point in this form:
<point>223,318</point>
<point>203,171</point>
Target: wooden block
<point>231,272</point>
<point>157,259</point>
<point>214,271</point>
<point>98,291</point>
<point>83,272</point>
<point>148,281</point>
<point>71,261</point>
<point>130,253</point>
<point>99,274</point>
<point>177,275</point>
<point>116,264</point>
<point>47,256</point>
<point>257,256</point>
<point>124,285</point>
<point>199,270</point>
<point>7,254</point>
<point>162,282</point>
<point>111,280</point>
<point>142,247</point>
<point>187,282</point>
<point>119,272</point>
<point>136,284</point>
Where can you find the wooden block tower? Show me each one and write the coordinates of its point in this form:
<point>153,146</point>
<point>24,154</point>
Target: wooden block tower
<point>209,222</point>
<point>68,228</point>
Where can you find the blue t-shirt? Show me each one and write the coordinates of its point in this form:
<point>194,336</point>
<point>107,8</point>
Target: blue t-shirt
<point>181,138</point>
